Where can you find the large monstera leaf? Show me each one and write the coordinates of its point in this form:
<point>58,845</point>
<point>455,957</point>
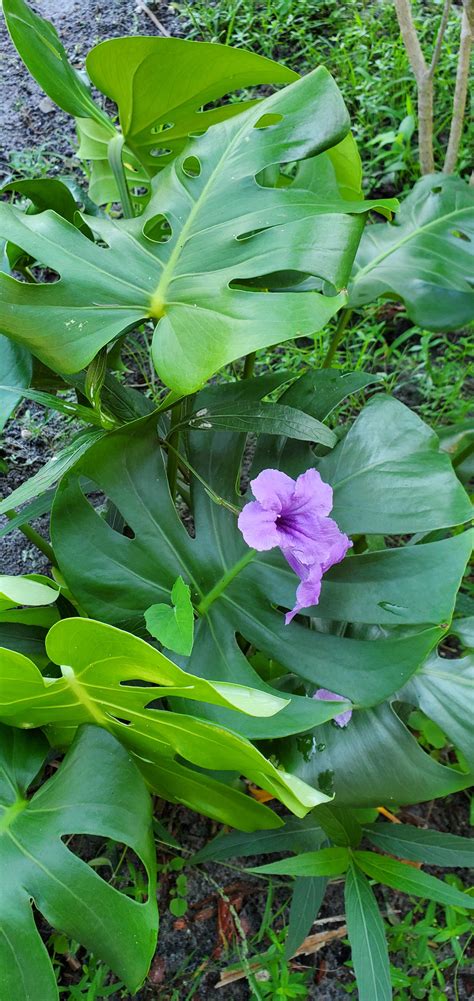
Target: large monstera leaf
<point>116,680</point>
<point>398,593</point>
<point>226,230</point>
<point>16,368</point>
<point>96,791</point>
<point>425,257</point>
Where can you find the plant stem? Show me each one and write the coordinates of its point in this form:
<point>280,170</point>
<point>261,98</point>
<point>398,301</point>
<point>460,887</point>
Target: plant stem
<point>424,81</point>
<point>221,585</point>
<point>342,322</point>
<point>249,365</point>
<point>114,156</point>
<point>173,450</point>
<point>461,87</point>
<point>34,537</point>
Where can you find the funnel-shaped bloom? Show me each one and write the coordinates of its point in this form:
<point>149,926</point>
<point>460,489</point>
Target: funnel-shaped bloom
<point>292,514</point>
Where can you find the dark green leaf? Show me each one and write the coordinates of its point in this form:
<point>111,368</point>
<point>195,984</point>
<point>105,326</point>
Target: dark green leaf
<point>308,895</point>
<point>340,825</point>
<point>402,876</point>
<point>419,845</point>
<point>97,791</point>
<point>266,418</point>
<point>367,938</point>
<point>425,257</point>
<point>16,367</point>
<point>297,835</point>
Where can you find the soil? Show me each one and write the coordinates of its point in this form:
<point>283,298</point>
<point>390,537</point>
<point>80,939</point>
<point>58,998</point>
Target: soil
<point>191,952</point>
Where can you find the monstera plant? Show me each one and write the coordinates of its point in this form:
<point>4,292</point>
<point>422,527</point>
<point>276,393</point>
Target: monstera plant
<point>253,580</point>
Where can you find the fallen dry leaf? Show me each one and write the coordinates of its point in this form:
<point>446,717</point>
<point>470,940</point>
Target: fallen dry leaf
<point>311,944</point>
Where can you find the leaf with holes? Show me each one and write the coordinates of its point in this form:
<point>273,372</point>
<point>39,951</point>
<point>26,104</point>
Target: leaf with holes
<point>96,791</point>
<point>397,594</point>
<point>116,680</point>
<point>197,260</point>
<point>425,257</point>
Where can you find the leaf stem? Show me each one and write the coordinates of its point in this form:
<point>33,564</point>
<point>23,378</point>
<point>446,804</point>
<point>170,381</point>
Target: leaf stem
<point>225,580</point>
<point>249,365</point>
<point>173,450</point>
<point>114,156</point>
<point>34,537</point>
<point>342,322</point>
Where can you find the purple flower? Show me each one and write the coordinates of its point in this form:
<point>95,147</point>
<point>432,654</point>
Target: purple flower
<point>323,693</point>
<point>292,514</point>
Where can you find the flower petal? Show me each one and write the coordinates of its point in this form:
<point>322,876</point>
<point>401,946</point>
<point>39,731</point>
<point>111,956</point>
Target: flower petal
<point>258,526</point>
<point>308,591</point>
<point>273,489</point>
<point>343,718</point>
<point>312,495</point>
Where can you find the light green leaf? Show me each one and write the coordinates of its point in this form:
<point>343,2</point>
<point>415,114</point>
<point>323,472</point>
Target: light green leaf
<point>367,938</point>
<point>402,876</point>
<point>325,862</point>
<point>99,683</point>
<point>96,791</point>
<point>173,627</point>
<point>30,589</point>
<point>425,257</point>
<point>160,86</point>
<point>195,285</point>
<point>419,845</point>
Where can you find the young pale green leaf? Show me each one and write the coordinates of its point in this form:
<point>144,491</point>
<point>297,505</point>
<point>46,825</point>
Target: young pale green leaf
<point>173,626</point>
<point>296,835</point>
<point>325,862</point>
<point>308,895</point>
<point>115,679</point>
<point>367,938</point>
<point>30,589</point>
<point>196,284</point>
<point>264,418</point>
<point>16,366</point>
<point>96,791</point>
<point>160,86</point>
<point>419,845</point>
<point>38,45</point>
<point>402,876</point>
<point>425,257</point>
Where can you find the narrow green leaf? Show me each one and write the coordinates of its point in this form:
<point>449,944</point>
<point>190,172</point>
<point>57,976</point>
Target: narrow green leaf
<point>297,835</point>
<point>266,418</point>
<point>326,862</point>
<point>308,895</point>
<point>402,876</point>
<point>340,824</point>
<point>173,626</point>
<point>419,845</point>
<point>367,938</point>
<point>51,471</point>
